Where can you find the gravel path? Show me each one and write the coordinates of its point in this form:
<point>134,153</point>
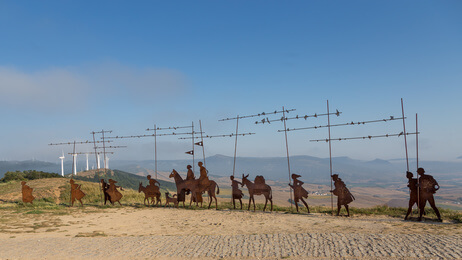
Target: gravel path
<point>304,245</point>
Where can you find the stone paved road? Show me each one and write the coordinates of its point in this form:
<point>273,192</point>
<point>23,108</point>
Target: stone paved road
<point>306,245</point>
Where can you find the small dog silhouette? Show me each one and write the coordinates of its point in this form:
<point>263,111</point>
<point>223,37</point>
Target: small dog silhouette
<point>171,199</point>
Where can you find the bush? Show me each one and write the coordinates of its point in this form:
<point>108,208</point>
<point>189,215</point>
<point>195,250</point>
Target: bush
<point>28,175</point>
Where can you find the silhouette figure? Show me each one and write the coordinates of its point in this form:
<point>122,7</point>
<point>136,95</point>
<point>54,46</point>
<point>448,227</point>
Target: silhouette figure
<point>114,194</point>
<point>203,178</point>
<point>150,192</point>
<point>171,199</point>
<point>237,193</point>
<point>27,196</point>
<point>258,187</point>
<point>194,186</point>
<point>428,187</point>
<point>344,196</point>
<point>299,191</point>
<point>76,193</point>
<point>413,196</point>
<point>105,187</point>
<point>190,176</point>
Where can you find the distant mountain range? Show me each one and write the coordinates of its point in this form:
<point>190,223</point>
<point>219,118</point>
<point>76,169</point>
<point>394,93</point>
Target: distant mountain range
<point>312,169</point>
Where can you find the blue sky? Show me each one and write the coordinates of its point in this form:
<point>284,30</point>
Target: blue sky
<point>71,67</point>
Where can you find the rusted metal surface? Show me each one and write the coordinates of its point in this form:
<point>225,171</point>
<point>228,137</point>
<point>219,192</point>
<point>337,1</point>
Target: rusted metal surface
<point>237,194</point>
<point>300,194</point>
<point>196,187</point>
<point>258,187</point>
<point>344,196</point>
<point>172,199</point>
<point>151,191</point>
<point>27,196</point>
<point>76,192</point>
<point>428,186</point>
<point>111,193</point>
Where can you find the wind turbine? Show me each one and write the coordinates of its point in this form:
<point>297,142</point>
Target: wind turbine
<point>62,164</point>
<point>98,164</point>
<point>107,162</point>
<point>74,155</point>
<point>87,161</point>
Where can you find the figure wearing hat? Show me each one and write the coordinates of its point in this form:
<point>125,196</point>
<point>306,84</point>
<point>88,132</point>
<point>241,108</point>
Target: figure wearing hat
<point>299,191</point>
<point>428,186</point>
<point>114,194</point>
<point>190,174</point>
<point>344,195</point>
<point>203,179</point>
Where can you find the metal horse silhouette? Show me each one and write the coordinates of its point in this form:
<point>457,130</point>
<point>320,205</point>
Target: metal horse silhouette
<point>76,192</point>
<point>299,191</point>
<point>258,187</point>
<point>344,196</point>
<point>194,186</point>
<point>151,191</point>
<point>172,199</point>
<point>27,196</point>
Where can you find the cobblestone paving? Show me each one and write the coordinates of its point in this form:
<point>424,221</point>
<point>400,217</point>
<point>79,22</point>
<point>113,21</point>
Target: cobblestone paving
<point>307,245</point>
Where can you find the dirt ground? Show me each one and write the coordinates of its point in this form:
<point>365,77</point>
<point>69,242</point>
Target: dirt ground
<point>89,232</point>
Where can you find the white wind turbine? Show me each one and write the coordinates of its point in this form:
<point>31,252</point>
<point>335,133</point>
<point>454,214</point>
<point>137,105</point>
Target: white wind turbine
<point>75,163</point>
<point>107,162</point>
<point>62,164</point>
<point>98,164</point>
<point>87,161</point>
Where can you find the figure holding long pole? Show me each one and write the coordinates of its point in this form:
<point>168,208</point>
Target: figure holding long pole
<point>287,152</point>
<point>330,159</point>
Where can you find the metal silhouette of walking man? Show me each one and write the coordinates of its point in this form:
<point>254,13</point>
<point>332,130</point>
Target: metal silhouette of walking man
<point>299,191</point>
<point>344,196</point>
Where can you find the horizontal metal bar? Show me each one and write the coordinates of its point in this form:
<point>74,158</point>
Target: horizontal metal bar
<point>264,121</point>
<point>168,128</point>
<point>345,124</point>
<point>139,136</point>
<point>362,137</point>
<point>258,115</point>
<point>92,153</point>
<point>84,142</point>
<point>213,136</point>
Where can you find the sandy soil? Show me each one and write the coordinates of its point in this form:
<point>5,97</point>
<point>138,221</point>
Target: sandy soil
<point>178,233</point>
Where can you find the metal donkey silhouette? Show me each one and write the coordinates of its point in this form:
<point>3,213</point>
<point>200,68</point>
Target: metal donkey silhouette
<point>151,191</point>
<point>258,187</point>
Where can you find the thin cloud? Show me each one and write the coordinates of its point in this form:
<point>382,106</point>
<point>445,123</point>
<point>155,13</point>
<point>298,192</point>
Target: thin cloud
<point>56,88</point>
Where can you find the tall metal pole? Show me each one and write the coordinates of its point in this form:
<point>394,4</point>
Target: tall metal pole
<point>96,170</point>
<point>404,132</point>
<point>235,144</point>
<point>104,152</point>
<point>287,151</point>
<point>202,141</point>
<point>417,161</point>
<point>330,159</point>
<point>74,164</point>
<point>192,133</point>
<point>155,149</point>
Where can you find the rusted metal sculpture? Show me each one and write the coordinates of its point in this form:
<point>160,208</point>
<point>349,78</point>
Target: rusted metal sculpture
<point>114,194</point>
<point>27,196</point>
<point>76,192</point>
<point>172,199</point>
<point>413,195</point>
<point>237,194</point>
<point>428,186</point>
<point>195,187</point>
<point>151,191</point>
<point>299,192</point>
<point>104,188</point>
<point>258,187</point>
<point>344,196</point>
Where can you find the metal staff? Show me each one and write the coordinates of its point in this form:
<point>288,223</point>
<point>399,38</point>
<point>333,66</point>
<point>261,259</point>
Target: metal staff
<point>330,159</point>
<point>202,143</point>
<point>417,161</point>
<point>287,151</point>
